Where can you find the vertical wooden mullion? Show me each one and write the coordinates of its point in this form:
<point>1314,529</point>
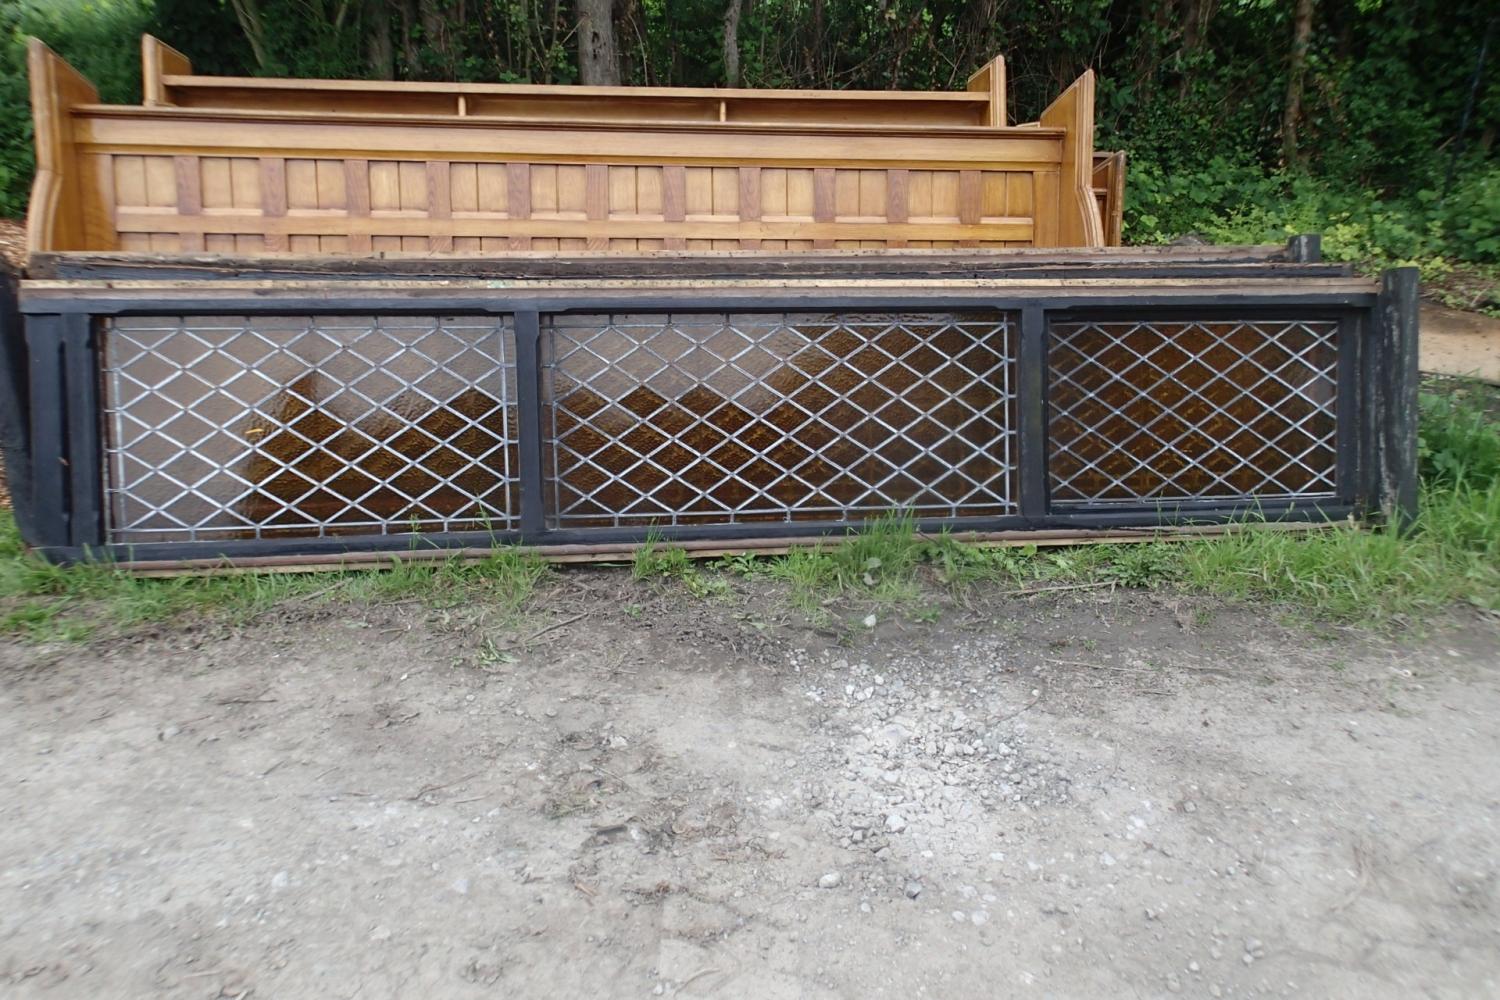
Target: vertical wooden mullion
<point>189,203</point>
<point>49,439</point>
<point>529,419</point>
<point>970,200</point>
<point>674,202</point>
<point>85,455</point>
<point>357,202</point>
<point>518,200</point>
<point>596,204</point>
<point>1347,405</point>
<point>824,202</point>
<point>439,206</point>
<point>273,200</point>
<point>897,201</point>
<point>749,203</point>
<point>1394,409</point>
<point>1031,402</point>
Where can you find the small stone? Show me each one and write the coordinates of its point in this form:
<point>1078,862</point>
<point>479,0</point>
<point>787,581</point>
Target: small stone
<point>865,908</point>
<point>980,918</point>
<point>895,823</point>
<point>1107,859</point>
<point>280,880</point>
<point>618,743</point>
<point>913,889</point>
<point>1194,967</point>
<point>1247,958</point>
<point>960,916</point>
<point>830,880</point>
<point>1214,990</point>
<point>551,713</point>
<point>870,621</point>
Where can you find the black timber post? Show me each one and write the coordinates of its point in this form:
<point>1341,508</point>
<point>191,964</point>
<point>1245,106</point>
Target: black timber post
<point>50,483</point>
<point>85,452</point>
<point>15,435</point>
<point>1394,395</point>
<point>529,417</point>
<point>1031,401</point>
<point>1305,249</point>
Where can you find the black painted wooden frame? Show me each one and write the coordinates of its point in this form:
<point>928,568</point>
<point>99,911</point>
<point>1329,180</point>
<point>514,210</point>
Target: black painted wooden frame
<point>1375,411</point>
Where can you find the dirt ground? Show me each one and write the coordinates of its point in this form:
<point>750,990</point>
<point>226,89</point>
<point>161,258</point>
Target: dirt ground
<point>633,792</point>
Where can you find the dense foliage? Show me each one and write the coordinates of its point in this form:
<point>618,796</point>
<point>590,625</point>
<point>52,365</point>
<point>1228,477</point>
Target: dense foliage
<point>1245,119</point>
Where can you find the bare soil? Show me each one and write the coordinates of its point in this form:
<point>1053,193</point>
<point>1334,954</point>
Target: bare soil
<point>1082,794</point>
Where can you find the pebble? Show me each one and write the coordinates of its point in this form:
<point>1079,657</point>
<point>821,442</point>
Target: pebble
<point>913,889</point>
<point>895,823</point>
<point>830,881</point>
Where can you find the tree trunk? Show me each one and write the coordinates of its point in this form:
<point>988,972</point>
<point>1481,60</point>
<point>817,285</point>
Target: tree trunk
<point>1302,24</point>
<point>247,12</point>
<point>732,42</point>
<point>598,53</point>
<point>411,50</point>
<point>1196,14</point>
<point>380,54</point>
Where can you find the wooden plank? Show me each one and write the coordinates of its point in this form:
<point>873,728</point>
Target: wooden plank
<point>301,184</point>
<point>385,186</point>
<point>272,204</point>
<point>161,181</point>
<point>1079,223</point>
<point>54,219</point>
<point>1270,260</point>
<point>439,205</point>
<point>189,199</point>
<point>989,80</point>
<point>357,200</point>
<point>624,552</point>
<point>970,204</point>
<point>1044,187</point>
<point>332,185</point>
<point>596,201</point>
<point>411,180</point>
<point>749,202</point>
<point>674,203</point>
<point>824,202</point>
<point>99,210</point>
<point>244,182</point>
<point>518,200</point>
<point>553,226</point>
<point>494,189</point>
<point>158,61</point>
<point>217,185</point>
<point>897,200</point>
<point>498,141</point>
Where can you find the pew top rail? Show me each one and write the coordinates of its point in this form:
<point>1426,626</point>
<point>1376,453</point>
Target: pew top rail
<point>269,167</point>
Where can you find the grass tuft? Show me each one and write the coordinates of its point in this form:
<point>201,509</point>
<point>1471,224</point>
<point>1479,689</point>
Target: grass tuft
<point>1451,553</point>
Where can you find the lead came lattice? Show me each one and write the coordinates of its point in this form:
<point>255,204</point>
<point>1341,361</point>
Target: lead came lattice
<point>726,418</point>
<point>1182,410</point>
<point>280,426</point>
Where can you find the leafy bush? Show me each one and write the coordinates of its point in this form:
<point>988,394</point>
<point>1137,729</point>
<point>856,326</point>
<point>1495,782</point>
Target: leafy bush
<point>100,38</point>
